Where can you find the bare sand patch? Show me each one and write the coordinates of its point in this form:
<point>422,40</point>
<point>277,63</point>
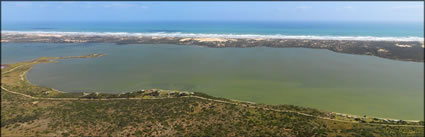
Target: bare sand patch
<point>403,46</point>
<point>213,39</point>
<point>382,50</point>
<point>185,39</point>
<point>49,35</point>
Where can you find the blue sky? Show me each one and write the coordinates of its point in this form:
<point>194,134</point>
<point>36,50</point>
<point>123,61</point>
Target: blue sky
<point>213,11</point>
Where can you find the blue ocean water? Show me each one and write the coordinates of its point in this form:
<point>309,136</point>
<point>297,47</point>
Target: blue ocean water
<point>373,29</point>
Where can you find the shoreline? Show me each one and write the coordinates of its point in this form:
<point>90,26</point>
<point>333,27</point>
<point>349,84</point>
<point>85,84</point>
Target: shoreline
<point>396,50</point>
<point>222,35</point>
<point>52,94</point>
<point>55,114</point>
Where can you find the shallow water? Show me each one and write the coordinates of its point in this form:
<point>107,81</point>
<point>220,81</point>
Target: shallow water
<point>356,84</point>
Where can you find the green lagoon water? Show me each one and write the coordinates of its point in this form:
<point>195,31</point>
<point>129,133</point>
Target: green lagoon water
<point>355,84</point>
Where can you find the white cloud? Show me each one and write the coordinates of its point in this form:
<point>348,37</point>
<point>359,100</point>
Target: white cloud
<point>303,7</point>
<point>143,6</point>
<point>408,7</point>
<point>88,6</point>
<point>124,5</point>
<point>59,5</point>
<point>42,6</point>
<point>348,7</point>
<point>22,4</point>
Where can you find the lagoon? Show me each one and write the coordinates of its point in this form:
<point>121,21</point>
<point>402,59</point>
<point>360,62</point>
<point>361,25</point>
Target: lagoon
<point>317,78</point>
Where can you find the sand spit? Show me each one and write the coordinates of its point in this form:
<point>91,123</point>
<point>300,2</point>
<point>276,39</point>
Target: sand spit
<point>393,49</point>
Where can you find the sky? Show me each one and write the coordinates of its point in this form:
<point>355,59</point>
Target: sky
<point>212,11</point>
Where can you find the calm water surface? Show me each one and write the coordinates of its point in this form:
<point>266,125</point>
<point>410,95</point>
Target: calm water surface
<point>363,85</point>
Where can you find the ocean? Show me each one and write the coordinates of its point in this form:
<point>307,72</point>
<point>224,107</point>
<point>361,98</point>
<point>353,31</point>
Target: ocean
<point>309,30</point>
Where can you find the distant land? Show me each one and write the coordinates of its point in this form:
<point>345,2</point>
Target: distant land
<point>405,50</point>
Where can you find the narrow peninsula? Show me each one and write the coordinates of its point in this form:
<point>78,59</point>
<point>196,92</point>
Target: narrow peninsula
<point>397,50</point>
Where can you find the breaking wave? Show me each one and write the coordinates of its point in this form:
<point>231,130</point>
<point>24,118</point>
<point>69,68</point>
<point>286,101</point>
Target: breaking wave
<point>253,36</point>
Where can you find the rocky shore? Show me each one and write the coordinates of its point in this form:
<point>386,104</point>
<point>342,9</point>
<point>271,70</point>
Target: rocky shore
<point>397,50</point>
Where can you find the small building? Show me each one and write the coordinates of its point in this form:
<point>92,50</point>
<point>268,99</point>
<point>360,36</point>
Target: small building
<point>4,66</point>
<point>86,94</point>
<point>183,94</point>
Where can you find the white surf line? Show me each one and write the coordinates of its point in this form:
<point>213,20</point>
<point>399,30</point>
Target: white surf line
<point>212,35</point>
